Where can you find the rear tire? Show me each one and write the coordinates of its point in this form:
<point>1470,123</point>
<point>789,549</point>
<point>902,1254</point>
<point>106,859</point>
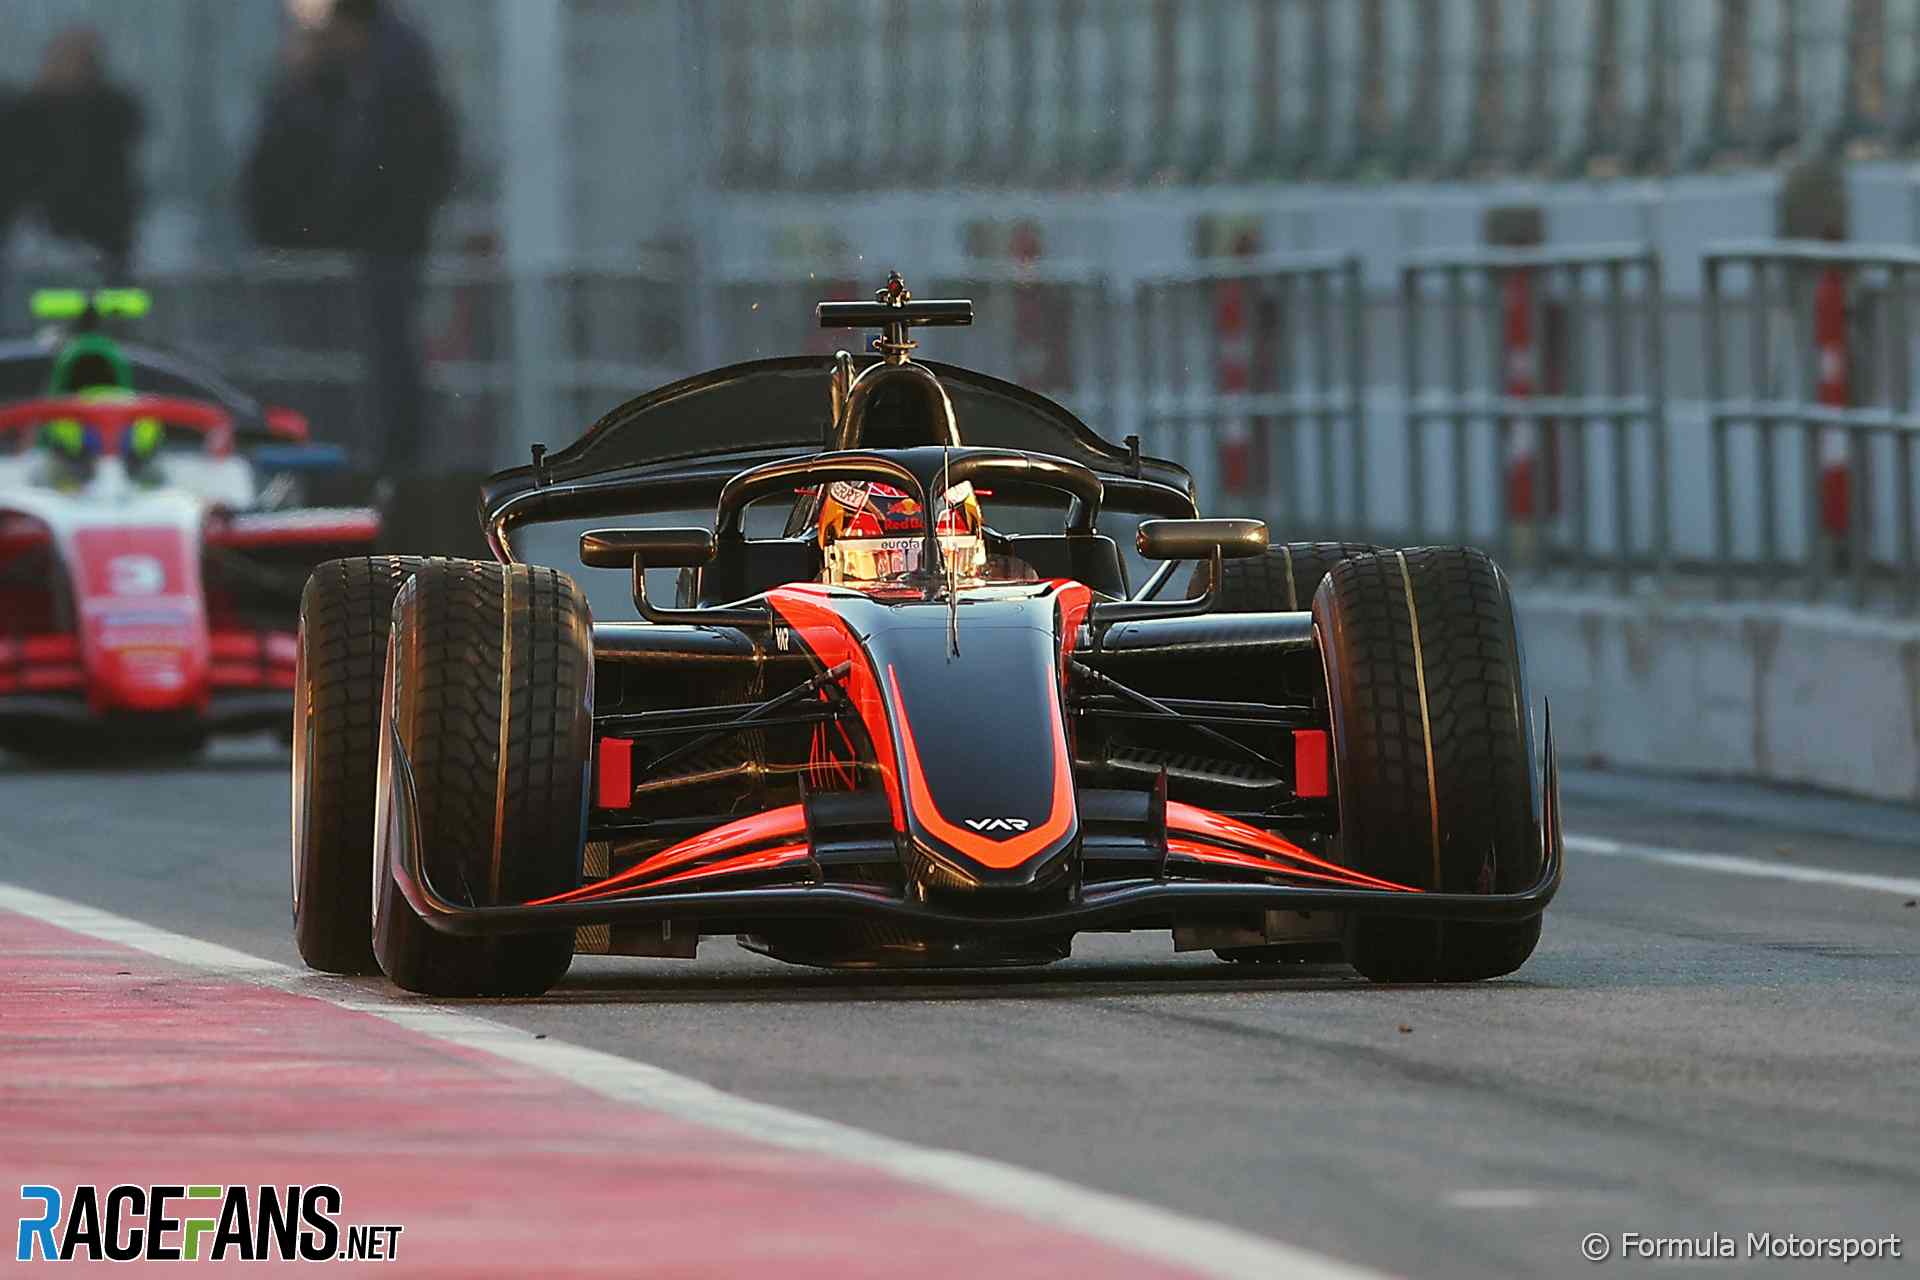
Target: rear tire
<point>1425,683</point>
<point>344,613</point>
<point>483,656</point>
<point>1281,581</point>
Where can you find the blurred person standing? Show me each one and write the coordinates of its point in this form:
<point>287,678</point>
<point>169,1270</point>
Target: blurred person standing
<point>12,174</point>
<point>70,149</point>
<point>356,152</point>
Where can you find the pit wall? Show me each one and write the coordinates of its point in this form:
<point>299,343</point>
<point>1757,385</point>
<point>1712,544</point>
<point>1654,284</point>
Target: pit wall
<point>1782,694</point>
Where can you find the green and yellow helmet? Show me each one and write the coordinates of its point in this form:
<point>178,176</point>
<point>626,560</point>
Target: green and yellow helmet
<point>91,367</point>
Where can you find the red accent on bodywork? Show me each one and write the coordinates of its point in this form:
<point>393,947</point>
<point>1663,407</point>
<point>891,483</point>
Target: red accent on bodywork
<point>293,529</point>
<point>1217,855</point>
<point>47,679</point>
<point>21,533</point>
<point>832,642</point>
<point>1310,763</point>
<point>288,424</point>
<point>775,824</point>
<point>41,664</point>
<point>232,677</point>
<point>143,618</point>
<point>1217,828</point>
<point>998,854</point>
<point>30,595</point>
<point>234,646</point>
<point>100,563</point>
<point>61,648</point>
<point>759,860</point>
<point>1075,599</point>
<point>252,659</point>
<point>613,789</point>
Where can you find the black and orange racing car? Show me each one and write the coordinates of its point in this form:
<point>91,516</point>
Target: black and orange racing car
<point>912,711</point>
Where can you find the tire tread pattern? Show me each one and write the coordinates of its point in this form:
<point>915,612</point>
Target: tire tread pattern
<point>1281,581</point>
<point>1476,715</point>
<point>345,611</point>
<point>460,624</point>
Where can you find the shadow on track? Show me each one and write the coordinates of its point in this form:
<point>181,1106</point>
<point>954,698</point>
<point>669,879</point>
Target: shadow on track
<point>109,764</point>
<point>106,755</point>
<point>1089,982</point>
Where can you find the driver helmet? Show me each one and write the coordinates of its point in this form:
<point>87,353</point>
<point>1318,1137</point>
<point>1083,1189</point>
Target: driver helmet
<point>75,445</point>
<point>873,532</point>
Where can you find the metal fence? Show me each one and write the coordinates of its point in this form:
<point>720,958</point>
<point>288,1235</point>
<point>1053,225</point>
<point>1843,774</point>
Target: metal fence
<point>1533,391</point>
<point>1043,93</point>
<point>1253,372</point>
<point>1524,406</point>
<point>1810,385</point>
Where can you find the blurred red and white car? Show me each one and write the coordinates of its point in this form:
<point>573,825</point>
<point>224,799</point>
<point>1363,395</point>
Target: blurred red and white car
<point>149,579</point>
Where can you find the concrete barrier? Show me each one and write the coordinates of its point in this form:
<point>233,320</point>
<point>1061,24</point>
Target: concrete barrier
<point>1779,694</point>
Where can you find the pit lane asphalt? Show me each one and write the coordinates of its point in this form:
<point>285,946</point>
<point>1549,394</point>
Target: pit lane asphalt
<point>1687,1052</point>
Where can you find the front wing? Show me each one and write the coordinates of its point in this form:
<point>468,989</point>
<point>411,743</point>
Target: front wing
<point>1108,904</point>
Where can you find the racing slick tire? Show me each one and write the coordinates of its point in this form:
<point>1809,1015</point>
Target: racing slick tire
<point>344,614</point>
<point>489,689</point>
<point>1281,581</point>
<point>1431,754</point>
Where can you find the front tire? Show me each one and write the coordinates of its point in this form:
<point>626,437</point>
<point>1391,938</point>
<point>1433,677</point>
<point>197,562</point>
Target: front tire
<point>1431,750</point>
<point>489,689</point>
<point>344,613</point>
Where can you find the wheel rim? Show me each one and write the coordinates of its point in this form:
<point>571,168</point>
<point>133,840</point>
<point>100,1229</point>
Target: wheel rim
<point>383,773</point>
<point>302,755</point>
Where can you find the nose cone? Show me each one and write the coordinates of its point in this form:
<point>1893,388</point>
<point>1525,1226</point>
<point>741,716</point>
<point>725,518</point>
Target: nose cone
<point>982,747</point>
<point>143,617</point>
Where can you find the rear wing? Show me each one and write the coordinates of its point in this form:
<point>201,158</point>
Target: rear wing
<point>677,445</point>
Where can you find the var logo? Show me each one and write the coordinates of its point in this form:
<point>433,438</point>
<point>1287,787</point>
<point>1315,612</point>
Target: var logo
<point>998,824</point>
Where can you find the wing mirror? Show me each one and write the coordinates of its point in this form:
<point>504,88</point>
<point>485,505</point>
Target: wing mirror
<point>1199,539</point>
<point>1210,540</point>
<point>653,548</point>
<point>639,550</point>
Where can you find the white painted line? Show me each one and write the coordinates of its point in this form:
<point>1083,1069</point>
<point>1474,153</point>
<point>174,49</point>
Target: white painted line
<point>1495,1198</point>
<point>1137,1226</point>
<point>1735,865</point>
